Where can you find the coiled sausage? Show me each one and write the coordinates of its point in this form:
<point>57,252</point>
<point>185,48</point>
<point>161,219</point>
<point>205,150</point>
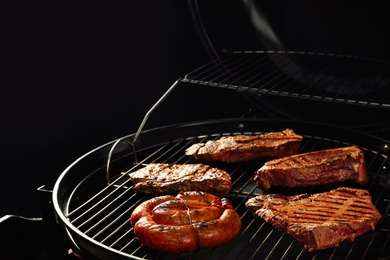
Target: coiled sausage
<point>186,222</point>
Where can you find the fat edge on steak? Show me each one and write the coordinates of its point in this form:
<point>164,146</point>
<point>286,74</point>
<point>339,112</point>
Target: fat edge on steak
<point>321,220</point>
<point>167,178</point>
<point>314,168</point>
<point>239,148</point>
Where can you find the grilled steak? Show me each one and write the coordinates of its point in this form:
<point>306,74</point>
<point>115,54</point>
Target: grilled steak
<point>321,220</point>
<point>238,148</point>
<point>314,168</point>
<point>172,178</point>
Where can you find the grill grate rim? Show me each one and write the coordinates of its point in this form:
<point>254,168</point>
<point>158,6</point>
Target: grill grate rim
<point>173,152</point>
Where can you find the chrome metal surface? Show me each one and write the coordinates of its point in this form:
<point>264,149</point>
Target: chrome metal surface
<point>97,215</point>
<point>303,75</point>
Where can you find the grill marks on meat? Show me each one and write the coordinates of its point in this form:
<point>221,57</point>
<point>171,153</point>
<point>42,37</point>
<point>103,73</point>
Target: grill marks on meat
<point>184,223</point>
<point>165,178</point>
<point>314,168</point>
<point>239,148</point>
<point>321,220</point>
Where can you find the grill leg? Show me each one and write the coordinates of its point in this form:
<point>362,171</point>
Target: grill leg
<point>56,244</point>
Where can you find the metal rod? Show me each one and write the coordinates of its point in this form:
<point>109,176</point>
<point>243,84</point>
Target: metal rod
<point>152,109</point>
<point>110,156</point>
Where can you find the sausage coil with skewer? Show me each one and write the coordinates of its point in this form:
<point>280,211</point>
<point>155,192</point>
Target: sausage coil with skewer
<point>186,222</point>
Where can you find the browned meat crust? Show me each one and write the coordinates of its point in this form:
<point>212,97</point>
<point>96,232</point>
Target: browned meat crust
<point>314,168</point>
<point>186,222</point>
<point>164,178</point>
<point>239,148</point>
<point>321,220</point>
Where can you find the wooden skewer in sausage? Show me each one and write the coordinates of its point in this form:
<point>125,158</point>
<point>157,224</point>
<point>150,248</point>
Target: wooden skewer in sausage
<point>186,222</point>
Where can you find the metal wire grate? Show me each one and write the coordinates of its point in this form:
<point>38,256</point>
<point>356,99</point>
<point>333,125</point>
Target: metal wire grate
<point>102,212</point>
<point>312,76</point>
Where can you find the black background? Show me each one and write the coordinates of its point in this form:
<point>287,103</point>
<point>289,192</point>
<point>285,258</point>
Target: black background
<point>76,76</point>
<point>79,75</point>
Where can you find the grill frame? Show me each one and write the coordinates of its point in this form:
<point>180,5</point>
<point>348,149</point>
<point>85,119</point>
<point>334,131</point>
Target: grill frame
<point>82,172</point>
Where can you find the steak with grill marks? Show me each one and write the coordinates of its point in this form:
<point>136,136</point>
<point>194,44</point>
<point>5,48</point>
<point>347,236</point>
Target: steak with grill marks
<point>314,168</point>
<point>172,178</point>
<point>321,220</point>
<point>239,148</point>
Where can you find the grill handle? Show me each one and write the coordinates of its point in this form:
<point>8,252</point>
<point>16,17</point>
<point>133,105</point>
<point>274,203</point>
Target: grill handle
<point>131,143</point>
<point>152,109</point>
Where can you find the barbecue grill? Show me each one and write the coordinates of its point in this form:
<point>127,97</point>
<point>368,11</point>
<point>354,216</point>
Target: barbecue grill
<point>93,198</point>
<point>95,211</point>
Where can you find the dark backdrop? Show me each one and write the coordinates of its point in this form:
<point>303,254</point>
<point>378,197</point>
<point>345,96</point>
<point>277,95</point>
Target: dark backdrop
<point>79,75</point>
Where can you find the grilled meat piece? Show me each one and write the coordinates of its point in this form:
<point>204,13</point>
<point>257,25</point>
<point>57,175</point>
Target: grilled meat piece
<point>172,178</point>
<point>314,168</point>
<point>239,148</point>
<point>321,220</point>
<point>186,222</point>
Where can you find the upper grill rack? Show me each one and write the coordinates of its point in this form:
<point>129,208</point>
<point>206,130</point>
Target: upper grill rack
<point>304,75</point>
